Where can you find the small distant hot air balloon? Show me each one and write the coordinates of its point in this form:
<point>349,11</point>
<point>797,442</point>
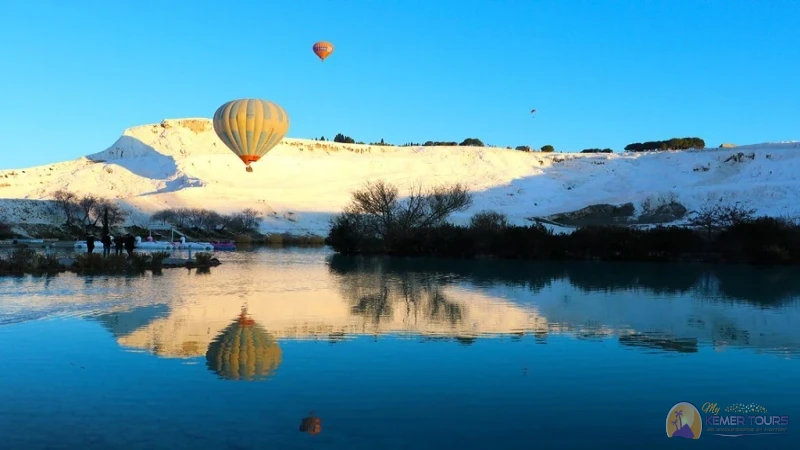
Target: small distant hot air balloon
<point>250,127</point>
<point>323,49</point>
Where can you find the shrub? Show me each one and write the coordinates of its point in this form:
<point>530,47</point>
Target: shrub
<point>471,142</point>
<point>116,263</point>
<point>548,148</point>
<point>20,260</point>
<point>203,258</point>
<point>157,259</point>
<point>27,260</point>
<point>440,144</point>
<point>90,262</point>
<point>47,263</point>
<point>764,240</point>
<point>488,221</point>
<point>140,261</point>
<point>597,150</point>
<point>523,148</point>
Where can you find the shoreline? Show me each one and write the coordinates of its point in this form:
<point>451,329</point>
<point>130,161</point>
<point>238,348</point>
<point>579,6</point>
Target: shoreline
<point>27,261</point>
<point>63,268</point>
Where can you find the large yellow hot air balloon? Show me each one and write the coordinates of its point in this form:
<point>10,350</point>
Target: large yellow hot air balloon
<point>322,49</point>
<point>250,127</point>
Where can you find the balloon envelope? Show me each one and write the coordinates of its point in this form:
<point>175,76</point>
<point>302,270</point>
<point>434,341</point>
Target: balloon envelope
<point>323,49</point>
<point>250,127</point>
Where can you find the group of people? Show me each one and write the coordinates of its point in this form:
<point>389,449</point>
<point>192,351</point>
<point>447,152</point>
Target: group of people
<point>127,242</point>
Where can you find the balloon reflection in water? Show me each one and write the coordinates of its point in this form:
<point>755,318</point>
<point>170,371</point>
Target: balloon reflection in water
<point>244,351</point>
<point>311,424</point>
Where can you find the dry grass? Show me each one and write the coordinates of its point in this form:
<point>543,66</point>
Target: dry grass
<point>243,239</point>
<point>286,239</point>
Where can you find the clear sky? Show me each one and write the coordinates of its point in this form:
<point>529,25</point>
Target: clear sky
<point>75,74</point>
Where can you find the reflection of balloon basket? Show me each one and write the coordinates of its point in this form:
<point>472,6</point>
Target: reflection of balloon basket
<point>311,425</point>
<point>244,320</point>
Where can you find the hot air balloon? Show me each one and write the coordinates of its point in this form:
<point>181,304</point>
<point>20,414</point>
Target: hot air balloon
<point>323,49</point>
<point>250,127</point>
<point>243,351</point>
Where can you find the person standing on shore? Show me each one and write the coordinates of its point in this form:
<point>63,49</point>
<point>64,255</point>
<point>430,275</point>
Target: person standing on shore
<point>118,245</point>
<point>106,240</point>
<point>130,244</point>
<point>90,243</point>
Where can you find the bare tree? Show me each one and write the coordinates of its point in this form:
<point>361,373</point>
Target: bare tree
<point>116,215</point>
<point>213,220</point>
<point>164,216</point>
<point>87,205</point>
<point>706,218</point>
<point>68,203</point>
<point>736,214</point>
<point>181,216</point>
<point>379,210</point>
<point>251,219</point>
<point>713,217</point>
<point>378,202</point>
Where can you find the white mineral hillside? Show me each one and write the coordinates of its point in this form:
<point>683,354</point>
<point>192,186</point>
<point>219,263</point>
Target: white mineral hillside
<point>301,183</point>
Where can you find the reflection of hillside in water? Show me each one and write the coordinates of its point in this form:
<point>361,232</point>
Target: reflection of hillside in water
<point>651,307</point>
<point>361,305</point>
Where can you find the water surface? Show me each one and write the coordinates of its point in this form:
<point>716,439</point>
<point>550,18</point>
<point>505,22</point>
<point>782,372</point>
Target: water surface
<point>393,353</point>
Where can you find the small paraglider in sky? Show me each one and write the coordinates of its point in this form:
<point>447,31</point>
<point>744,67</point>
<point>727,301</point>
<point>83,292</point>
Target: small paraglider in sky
<point>250,128</point>
<point>323,49</point>
<point>311,424</point>
<point>533,113</point>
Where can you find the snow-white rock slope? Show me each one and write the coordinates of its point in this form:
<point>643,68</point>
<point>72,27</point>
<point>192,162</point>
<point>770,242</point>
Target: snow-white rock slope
<point>301,183</point>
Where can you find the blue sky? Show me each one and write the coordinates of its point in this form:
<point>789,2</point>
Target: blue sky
<point>601,73</point>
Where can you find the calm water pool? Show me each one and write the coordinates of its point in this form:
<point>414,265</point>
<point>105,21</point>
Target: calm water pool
<point>384,354</point>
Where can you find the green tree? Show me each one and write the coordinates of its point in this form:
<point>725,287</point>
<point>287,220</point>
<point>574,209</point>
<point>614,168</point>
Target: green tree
<point>471,142</point>
<point>548,148</point>
<point>342,139</point>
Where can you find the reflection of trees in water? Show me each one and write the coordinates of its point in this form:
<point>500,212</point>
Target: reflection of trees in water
<point>377,295</point>
<point>761,286</point>
<point>660,342</point>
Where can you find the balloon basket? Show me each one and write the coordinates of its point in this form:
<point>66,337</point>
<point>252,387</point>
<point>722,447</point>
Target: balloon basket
<point>248,169</point>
